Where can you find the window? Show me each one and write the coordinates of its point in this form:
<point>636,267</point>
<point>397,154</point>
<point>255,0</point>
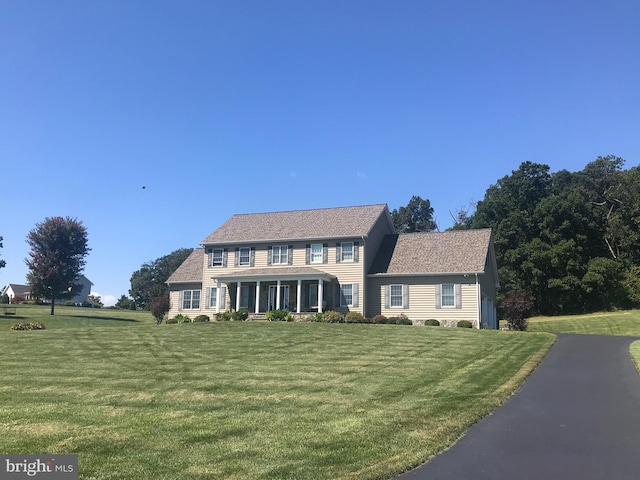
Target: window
<point>244,256</point>
<point>244,296</point>
<point>346,252</point>
<point>279,255</point>
<point>316,253</point>
<point>213,297</point>
<point>346,295</point>
<point>191,299</point>
<point>217,256</point>
<point>395,296</point>
<point>448,295</point>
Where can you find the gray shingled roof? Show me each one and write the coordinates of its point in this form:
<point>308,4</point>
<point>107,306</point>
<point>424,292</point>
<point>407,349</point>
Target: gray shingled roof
<point>460,251</point>
<point>190,270</point>
<point>298,225</point>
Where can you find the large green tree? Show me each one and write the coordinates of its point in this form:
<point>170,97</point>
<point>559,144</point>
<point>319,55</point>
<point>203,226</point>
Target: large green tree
<point>570,239</point>
<point>417,216</point>
<point>149,282</point>
<point>57,258</point>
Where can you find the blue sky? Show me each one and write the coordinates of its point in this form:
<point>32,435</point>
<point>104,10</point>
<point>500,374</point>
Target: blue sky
<point>223,107</point>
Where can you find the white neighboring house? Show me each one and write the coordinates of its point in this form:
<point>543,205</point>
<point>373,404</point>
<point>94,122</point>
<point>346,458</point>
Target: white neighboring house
<point>13,290</point>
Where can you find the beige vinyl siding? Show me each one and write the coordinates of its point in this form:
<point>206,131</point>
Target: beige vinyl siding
<point>345,272</point>
<point>422,298</point>
<point>174,300</point>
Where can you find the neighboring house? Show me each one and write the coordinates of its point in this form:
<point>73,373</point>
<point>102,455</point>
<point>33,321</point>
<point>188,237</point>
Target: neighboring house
<point>16,290</point>
<point>83,294</point>
<point>343,259</point>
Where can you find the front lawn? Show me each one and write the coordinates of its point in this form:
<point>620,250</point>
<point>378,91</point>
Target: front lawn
<point>625,323</point>
<point>249,400</point>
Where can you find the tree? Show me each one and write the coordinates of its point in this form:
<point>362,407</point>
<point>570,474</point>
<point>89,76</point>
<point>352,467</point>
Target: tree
<point>516,308</point>
<point>57,257</point>
<point>149,282</point>
<point>417,216</point>
<point>2,262</point>
<point>159,307</point>
<point>125,303</point>
<point>95,301</point>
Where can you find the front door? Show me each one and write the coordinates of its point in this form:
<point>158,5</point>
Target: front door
<point>284,297</point>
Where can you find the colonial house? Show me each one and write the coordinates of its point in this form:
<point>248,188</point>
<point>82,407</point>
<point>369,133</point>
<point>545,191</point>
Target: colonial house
<point>343,259</point>
<point>13,290</point>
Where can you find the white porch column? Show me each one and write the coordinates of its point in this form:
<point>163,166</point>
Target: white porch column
<point>257,310</point>
<point>299,297</point>
<point>218,296</point>
<point>238,296</point>
<point>278,295</point>
<point>320,295</point>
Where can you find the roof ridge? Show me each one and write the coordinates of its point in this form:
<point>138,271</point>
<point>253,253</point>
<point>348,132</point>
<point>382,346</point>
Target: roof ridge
<point>310,209</point>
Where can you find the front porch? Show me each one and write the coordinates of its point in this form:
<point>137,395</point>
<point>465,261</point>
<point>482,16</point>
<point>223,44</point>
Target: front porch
<point>299,290</point>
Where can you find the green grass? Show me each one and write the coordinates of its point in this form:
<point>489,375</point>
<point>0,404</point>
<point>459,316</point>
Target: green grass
<point>238,400</point>
<point>626,323</point>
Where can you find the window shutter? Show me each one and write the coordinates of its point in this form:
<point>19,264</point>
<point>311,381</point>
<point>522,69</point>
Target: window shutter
<point>209,257</point>
<point>180,298</point>
<point>290,254</point>
<point>307,258</point>
<point>338,252</point>
<point>269,255</point>
<point>405,296</point>
<point>223,297</point>
<point>354,294</point>
<point>458,295</point>
<point>207,298</point>
<point>387,296</point>
<point>252,256</point>
<point>356,251</point>
<point>225,254</point>
<point>325,253</point>
<point>237,257</point>
<point>438,296</point>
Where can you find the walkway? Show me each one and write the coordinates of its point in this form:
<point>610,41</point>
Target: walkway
<point>577,416</point>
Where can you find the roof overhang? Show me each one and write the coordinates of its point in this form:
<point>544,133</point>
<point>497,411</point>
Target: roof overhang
<point>426,274</point>
<point>272,274</point>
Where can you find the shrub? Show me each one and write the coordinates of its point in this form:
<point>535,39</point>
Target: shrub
<point>201,318</point>
<point>379,319</point>
<point>282,315</point>
<point>159,307</point>
<point>516,308</point>
<point>240,315</point>
<point>464,324</point>
<point>391,320</point>
<point>403,320</point>
<point>69,303</point>
<point>18,299</point>
<point>223,316</point>
<point>354,317</point>
<point>317,317</point>
<point>180,318</point>
<point>432,322</point>
<point>331,316</point>
<point>171,321</point>
<point>4,299</point>
<point>28,326</point>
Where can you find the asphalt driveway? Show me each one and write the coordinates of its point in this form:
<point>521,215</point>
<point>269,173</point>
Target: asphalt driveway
<point>577,416</point>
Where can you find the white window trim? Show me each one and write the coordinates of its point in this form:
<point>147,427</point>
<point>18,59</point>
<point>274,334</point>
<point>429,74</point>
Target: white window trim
<point>282,250</point>
<point>320,253</point>
<point>343,302</point>
<point>240,255</point>
<point>391,295</point>
<point>213,297</point>
<point>213,257</point>
<point>351,250</point>
<point>191,299</point>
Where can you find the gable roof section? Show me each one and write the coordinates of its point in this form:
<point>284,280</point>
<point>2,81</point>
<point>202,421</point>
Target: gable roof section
<point>18,289</point>
<point>190,271</point>
<point>454,252</point>
<point>323,223</point>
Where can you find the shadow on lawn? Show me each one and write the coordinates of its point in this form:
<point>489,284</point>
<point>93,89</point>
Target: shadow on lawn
<point>114,319</point>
